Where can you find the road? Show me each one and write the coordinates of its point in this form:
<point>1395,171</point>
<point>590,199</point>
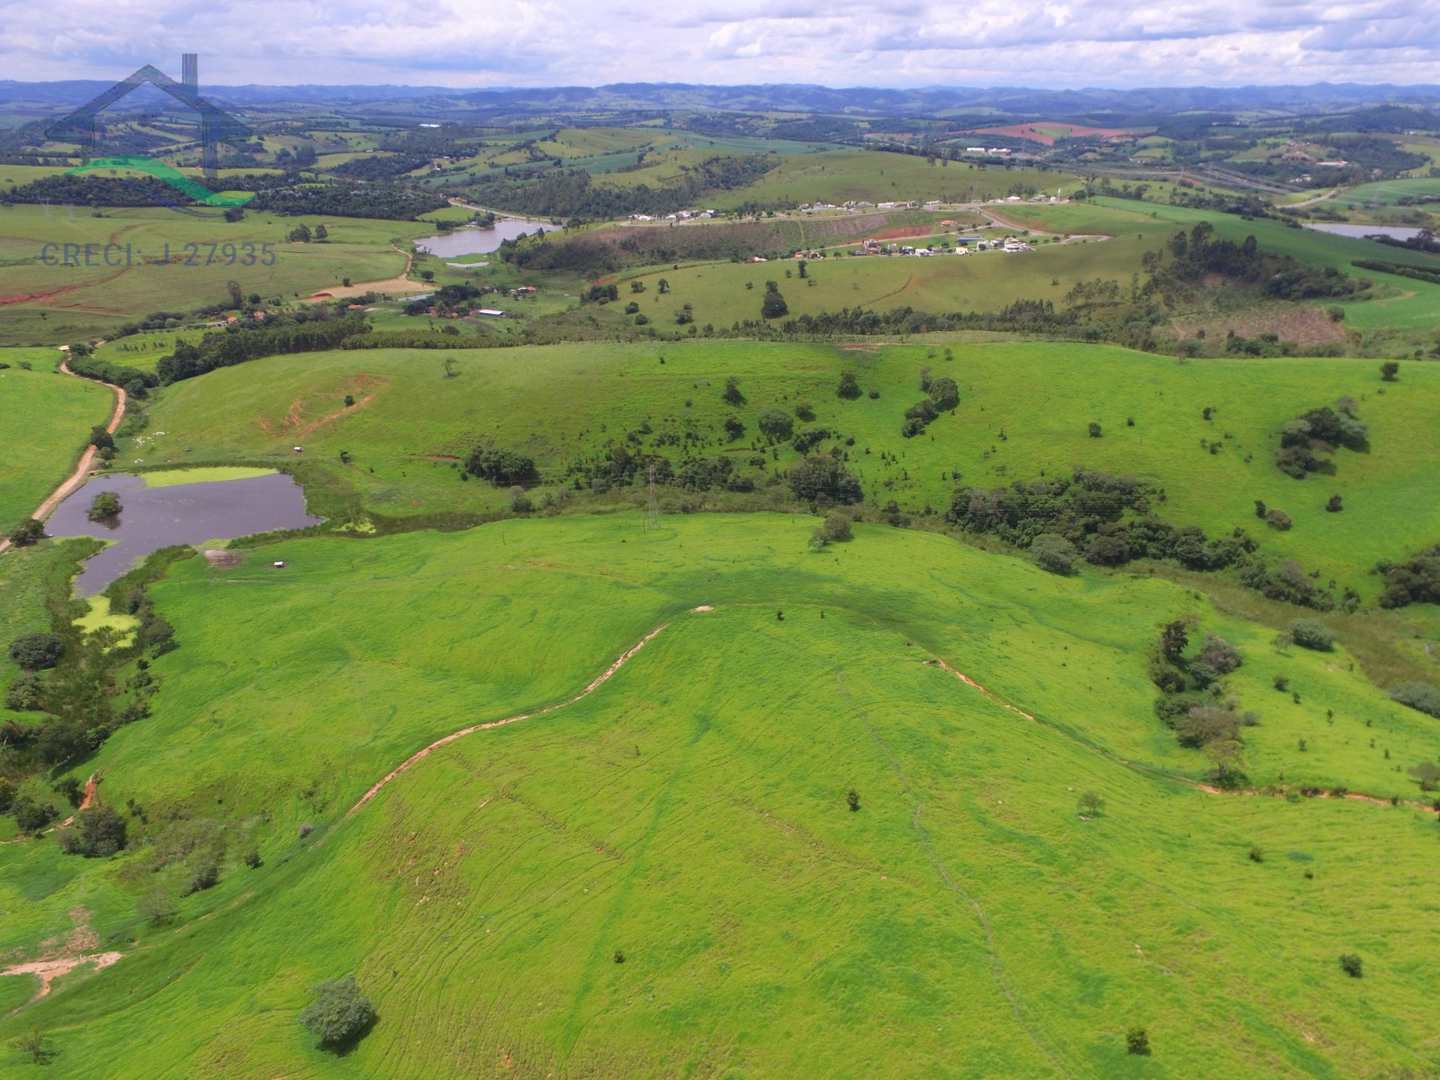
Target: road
<point>82,467</point>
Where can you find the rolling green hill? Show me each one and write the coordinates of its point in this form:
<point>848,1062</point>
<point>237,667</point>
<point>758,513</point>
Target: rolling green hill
<point>1025,409</point>
<point>689,816</point>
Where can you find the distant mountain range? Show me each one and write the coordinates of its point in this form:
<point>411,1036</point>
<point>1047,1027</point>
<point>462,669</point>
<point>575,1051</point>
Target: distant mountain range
<point>852,101</point>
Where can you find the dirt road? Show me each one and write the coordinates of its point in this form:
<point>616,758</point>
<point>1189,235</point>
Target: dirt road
<point>82,467</point>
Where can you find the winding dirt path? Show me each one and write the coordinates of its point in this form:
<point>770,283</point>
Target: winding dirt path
<point>401,283</point>
<point>82,467</point>
<point>1198,785</point>
<point>593,685</point>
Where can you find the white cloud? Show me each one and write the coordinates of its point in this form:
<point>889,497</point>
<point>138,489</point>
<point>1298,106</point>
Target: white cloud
<point>846,42</point>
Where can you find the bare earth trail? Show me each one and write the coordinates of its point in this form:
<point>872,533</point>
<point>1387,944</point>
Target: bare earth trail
<point>399,284</point>
<point>625,657</point>
<point>594,684</point>
<point>82,467</point>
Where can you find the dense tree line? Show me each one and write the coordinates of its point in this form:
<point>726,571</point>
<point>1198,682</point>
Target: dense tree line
<point>91,190</point>
<point>571,194</point>
<point>249,341</point>
<point>375,200</point>
<point>380,167</point>
<point>1419,273</point>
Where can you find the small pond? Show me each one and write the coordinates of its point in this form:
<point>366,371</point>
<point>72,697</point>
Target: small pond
<point>156,517</point>
<point>1395,232</point>
<point>472,240</point>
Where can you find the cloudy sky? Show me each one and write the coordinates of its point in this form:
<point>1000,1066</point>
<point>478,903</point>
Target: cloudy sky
<point>838,43</point>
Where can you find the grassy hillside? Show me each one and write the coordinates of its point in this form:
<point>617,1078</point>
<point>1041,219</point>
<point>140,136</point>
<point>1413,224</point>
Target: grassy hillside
<point>56,413</point>
<point>690,814</point>
<point>1025,409</point>
<point>46,301</point>
<point>839,175</point>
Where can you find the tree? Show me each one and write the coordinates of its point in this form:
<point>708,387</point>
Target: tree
<point>30,531</point>
<point>1335,504</point>
<point>338,1013</point>
<point>1054,553</point>
<point>1095,431</point>
<point>33,1046</point>
<point>734,429</point>
<point>1090,805</point>
<point>31,816</point>
<point>1312,634</point>
<point>104,507</point>
<point>663,286</point>
<point>35,652</point>
<point>237,295</point>
<point>101,439</point>
<point>1137,1041</point>
<point>1390,371</point>
<point>299,235</point>
<point>1174,637</point>
<point>803,268</point>
<point>849,387</point>
<point>322,234</point>
<point>1352,965</point>
<point>773,306</point>
<point>732,392</point>
<point>503,468</point>
<point>776,424</point>
<point>852,800</point>
<point>98,832</point>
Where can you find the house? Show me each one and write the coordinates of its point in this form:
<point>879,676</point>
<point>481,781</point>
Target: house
<point>523,290</point>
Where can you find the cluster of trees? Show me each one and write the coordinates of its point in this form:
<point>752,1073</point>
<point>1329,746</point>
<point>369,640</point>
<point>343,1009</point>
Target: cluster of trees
<point>377,167</point>
<point>305,331</point>
<point>342,199</point>
<point>1201,252</point>
<point>571,194</point>
<point>941,395</point>
<point>823,481</point>
<point>1107,521</point>
<point>503,468</point>
<point>1419,273</point>
<point>1192,700</point>
<point>1416,581</point>
<point>92,190</point>
<point>1319,432</point>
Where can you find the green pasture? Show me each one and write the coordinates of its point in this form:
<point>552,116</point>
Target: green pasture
<point>1025,408</point>
<point>144,350</point>
<point>690,816</point>
<point>50,416</point>
<point>125,275</point>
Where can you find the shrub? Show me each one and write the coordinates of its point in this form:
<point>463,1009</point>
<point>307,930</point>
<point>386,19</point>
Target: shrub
<point>27,532</point>
<point>836,527</point>
<point>25,694</point>
<point>1352,965</point>
<point>776,424</point>
<point>1137,1041</point>
<point>104,507</point>
<point>1256,855</point>
<point>338,1012</point>
<point>1054,553</point>
<point>1418,695</point>
<point>849,386</point>
<point>1334,504</point>
<point>1095,430</point>
<point>98,832</point>
<point>944,393</point>
<point>1389,371</point>
<point>1090,805</point>
<point>732,392</point>
<point>805,411</point>
<point>31,816</point>
<point>204,874</point>
<point>1278,519</point>
<point>1218,655</point>
<point>1312,634</point>
<point>734,429</point>
<point>35,652</point>
<point>852,800</point>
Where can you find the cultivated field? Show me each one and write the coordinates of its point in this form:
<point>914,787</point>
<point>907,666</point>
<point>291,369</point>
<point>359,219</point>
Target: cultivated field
<point>689,816</point>
<point>125,275</point>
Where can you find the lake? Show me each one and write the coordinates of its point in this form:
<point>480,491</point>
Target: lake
<point>472,240</point>
<point>155,517</point>
<point>1395,232</point>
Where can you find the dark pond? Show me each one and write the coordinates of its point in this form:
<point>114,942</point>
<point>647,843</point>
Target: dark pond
<point>152,518</point>
<point>476,241</point>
